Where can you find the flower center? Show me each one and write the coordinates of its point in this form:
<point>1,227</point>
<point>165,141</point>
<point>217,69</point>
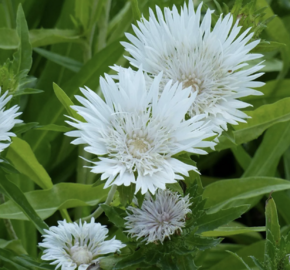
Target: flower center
<point>138,146</point>
<point>81,255</point>
<point>164,218</point>
<point>192,81</point>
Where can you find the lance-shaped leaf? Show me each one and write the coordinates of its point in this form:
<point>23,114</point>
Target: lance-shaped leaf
<point>60,196</point>
<point>15,194</point>
<point>24,160</point>
<point>23,57</point>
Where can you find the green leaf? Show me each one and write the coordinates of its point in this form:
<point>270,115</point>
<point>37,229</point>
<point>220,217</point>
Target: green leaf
<point>126,194</point>
<point>267,157</point>
<point>13,245</point>
<point>133,259</point>
<point>61,60</point>
<point>113,213</point>
<point>240,259</point>
<point>258,123</point>
<point>212,221</point>
<point>272,222</point>
<point>223,193</point>
<point>65,101</point>
<point>228,231</point>
<point>82,11</point>
<point>23,57</point>
<point>60,196</point>
<point>53,127</point>
<point>135,9</point>
<point>28,91</point>
<point>186,263</point>
<point>23,127</point>
<point>15,194</point>
<point>229,262</point>
<point>6,165</point>
<point>44,37</point>
<point>9,39</point>
<point>241,156</point>
<point>22,157</point>
<point>257,263</point>
<point>22,262</point>
<point>194,241</point>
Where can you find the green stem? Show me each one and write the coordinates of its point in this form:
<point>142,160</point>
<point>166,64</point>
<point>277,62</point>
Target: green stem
<point>65,215</point>
<point>100,210</point>
<point>82,175</point>
<point>7,222</point>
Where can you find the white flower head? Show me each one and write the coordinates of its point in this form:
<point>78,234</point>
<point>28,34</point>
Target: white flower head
<point>136,131</point>
<point>212,62</point>
<point>76,246</point>
<point>7,120</point>
<point>158,218</point>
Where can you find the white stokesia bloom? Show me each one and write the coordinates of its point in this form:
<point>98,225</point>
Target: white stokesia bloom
<point>136,131</point>
<point>214,62</point>
<point>76,246</point>
<point>7,121</point>
<point>158,218</point>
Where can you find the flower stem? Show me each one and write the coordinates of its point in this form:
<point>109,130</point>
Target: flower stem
<point>65,215</point>
<point>100,210</point>
<point>7,222</point>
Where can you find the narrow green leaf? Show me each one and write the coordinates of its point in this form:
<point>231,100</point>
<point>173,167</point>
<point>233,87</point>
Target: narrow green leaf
<point>60,196</point>
<point>212,221</point>
<point>44,37</point>
<point>237,191</point>
<point>272,222</point>
<point>243,158</point>
<point>15,194</point>
<point>23,127</point>
<point>240,259</point>
<point>65,101</point>
<point>258,123</point>
<point>53,127</point>
<point>61,60</point>
<point>14,245</point>
<point>28,91</point>
<point>267,157</point>
<point>9,39</point>
<point>136,10</point>
<point>24,160</point>
<point>228,231</point>
<point>257,263</point>
<point>23,57</point>
<point>82,11</point>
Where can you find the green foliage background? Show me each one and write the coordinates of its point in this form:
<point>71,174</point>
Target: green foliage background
<point>72,43</point>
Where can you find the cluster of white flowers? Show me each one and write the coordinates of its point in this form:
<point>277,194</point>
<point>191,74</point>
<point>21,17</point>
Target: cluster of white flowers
<point>184,93</point>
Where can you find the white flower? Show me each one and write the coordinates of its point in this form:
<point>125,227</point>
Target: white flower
<point>213,62</point>
<point>137,131</point>
<point>76,246</point>
<point>7,120</point>
<point>159,218</point>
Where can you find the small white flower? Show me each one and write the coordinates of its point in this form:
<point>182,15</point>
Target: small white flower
<point>159,218</point>
<point>76,246</point>
<point>137,131</point>
<point>7,120</point>
<point>213,62</point>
